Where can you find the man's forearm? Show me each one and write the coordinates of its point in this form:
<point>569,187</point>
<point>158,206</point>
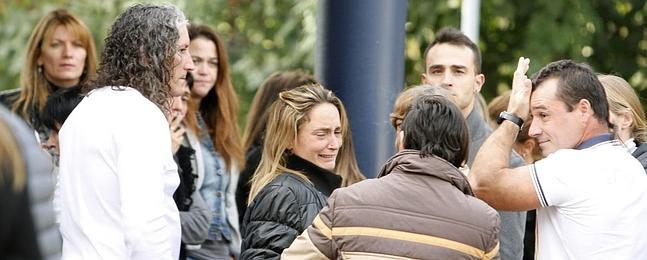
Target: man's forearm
<point>491,159</point>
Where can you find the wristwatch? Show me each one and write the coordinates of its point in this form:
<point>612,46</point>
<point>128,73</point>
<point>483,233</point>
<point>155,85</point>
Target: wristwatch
<point>510,117</point>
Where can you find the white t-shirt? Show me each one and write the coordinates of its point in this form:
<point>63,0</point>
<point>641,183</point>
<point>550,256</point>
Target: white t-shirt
<point>117,178</point>
<point>594,204</point>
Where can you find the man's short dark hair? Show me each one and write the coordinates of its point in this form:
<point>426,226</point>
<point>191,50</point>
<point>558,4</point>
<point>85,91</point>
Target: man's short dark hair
<point>453,36</point>
<point>576,81</point>
<point>435,126</point>
<point>59,105</point>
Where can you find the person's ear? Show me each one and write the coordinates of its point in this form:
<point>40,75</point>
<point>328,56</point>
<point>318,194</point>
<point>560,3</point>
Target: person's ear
<point>528,147</point>
<point>584,106</point>
<point>423,78</point>
<point>479,80</point>
<point>627,119</point>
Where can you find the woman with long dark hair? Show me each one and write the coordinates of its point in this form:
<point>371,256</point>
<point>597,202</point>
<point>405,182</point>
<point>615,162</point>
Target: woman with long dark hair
<point>216,108</point>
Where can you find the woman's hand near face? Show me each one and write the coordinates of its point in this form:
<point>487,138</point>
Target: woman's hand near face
<point>177,133</point>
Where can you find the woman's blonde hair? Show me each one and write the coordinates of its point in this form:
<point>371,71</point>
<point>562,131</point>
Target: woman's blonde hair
<point>12,166</point>
<point>286,116</point>
<point>35,88</point>
<point>621,97</point>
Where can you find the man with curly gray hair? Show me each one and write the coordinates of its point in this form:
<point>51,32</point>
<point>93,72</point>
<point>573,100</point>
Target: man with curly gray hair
<point>117,174</point>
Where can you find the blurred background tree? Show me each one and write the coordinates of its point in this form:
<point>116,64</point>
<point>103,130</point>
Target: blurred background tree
<point>269,35</point>
<point>607,34</point>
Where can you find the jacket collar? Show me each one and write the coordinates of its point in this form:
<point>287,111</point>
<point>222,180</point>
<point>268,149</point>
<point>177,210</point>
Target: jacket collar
<point>410,162</point>
<point>324,180</point>
<point>641,153</point>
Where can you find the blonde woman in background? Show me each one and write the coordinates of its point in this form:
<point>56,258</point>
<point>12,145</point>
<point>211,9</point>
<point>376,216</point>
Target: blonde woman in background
<point>627,116</point>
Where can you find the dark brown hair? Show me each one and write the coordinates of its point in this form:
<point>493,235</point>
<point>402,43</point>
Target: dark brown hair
<point>576,81</point>
<point>267,93</point>
<point>435,126</point>
<point>219,107</point>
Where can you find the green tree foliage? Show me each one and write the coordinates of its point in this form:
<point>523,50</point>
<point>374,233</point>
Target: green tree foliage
<point>262,36</point>
<point>269,35</point>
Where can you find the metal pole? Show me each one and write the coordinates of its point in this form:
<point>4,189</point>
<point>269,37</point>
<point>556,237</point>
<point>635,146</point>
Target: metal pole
<point>470,17</point>
<point>360,56</point>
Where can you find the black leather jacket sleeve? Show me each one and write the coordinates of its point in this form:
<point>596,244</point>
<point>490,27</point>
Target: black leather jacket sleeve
<point>272,222</point>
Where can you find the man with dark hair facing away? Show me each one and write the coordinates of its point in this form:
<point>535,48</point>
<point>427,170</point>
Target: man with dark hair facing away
<point>388,217</point>
<point>453,61</point>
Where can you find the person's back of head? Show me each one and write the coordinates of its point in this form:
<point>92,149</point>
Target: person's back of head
<point>140,51</point>
<point>405,100</point>
<point>435,126</point>
<point>407,97</point>
<point>576,81</point>
<point>623,99</point>
<point>266,94</point>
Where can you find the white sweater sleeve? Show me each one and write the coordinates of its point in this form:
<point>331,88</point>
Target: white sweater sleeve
<point>143,150</point>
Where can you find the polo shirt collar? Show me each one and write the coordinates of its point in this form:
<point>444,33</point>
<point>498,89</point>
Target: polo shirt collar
<point>594,140</point>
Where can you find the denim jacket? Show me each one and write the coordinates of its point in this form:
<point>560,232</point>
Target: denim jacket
<point>218,193</point>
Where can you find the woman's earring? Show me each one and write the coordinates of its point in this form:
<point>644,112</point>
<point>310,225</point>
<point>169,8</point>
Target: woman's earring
<point>40,69</point>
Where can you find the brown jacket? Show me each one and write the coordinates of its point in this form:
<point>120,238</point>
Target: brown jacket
<point>422,208</point>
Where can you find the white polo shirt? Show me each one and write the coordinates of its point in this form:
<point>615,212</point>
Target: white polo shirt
<point>593,204</point>
<point>117,178</point>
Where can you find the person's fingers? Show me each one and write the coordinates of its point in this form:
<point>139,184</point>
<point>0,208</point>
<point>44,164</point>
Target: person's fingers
<point>521,88</point>
<point>519,78</point>
<point>527,83</point>
<point>175,122</point>
<point>180,131</point>
<point>522,66</point>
